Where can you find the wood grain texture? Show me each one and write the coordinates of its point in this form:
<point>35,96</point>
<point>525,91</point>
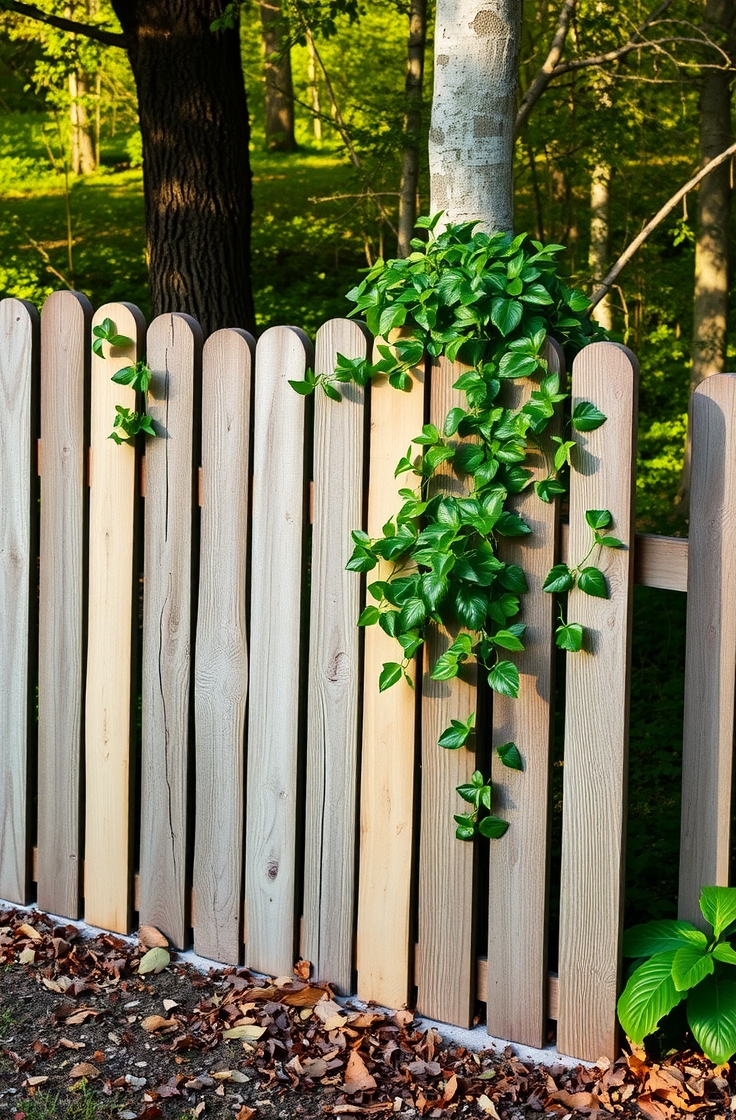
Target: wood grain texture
<point>18,354</point>
<point>174,351</point>
<point>597,707</point>
<point>107,872</point>
<point>658,561</point>
<point>334,668</point>
<point>221,666</point>
<point>388,776</point>
<point>277,572</point>
<point>707,758</point>
<point>518,867</point>
<point>446,988</point>
<point>65,358</point>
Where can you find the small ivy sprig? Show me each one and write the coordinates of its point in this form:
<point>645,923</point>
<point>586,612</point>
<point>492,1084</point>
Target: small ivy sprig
<point>590,579</point>
<point>128,422</point>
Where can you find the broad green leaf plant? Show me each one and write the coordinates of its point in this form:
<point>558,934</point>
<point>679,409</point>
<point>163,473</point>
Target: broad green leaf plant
<point>680,962</point>
<point>488,302</point>
<point>128,422</point>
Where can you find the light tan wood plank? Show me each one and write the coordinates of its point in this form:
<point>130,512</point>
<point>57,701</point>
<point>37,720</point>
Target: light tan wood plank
<point>334,664</point>
<point>18,358</point>
<point>597,709</point>
<point>387,780</point>
<point>551,985</point>
<point>108,877</point>
<point>707,756</point>
<point>447,869</point>
<point>221,670</point>
<point>658,561</point>
<point>174,352</point>
<point>277,570</point>
<point>65,359</point>
<point>518,867</point>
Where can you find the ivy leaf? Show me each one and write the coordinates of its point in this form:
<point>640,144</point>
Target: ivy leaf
<point>548,488</point>
<point>559,579</point>
<point>445,667</point>
<point>648,996</point>
<point>509,755</point>
<point>504,679</point>
<point>492,827</point>
<point>569,637</point>
<point>598,518</point>
<point>507,640</point>
<point>388,621</point>
<point>711,1014</point>
<point>586,417</point>
<point>456,736</point>
<point>390,674</point>
<point>506,314</point>
<point>369,616</point>
<point>453,418</point>
<point>609,542</point>
<point>413,613</point>
<point>593,582</point>
<point>512,578</point>
<point>718,906</point>
<point>471,606</point>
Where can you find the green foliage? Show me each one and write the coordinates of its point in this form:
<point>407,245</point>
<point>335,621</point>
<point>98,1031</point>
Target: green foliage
<point>128,422</point>
<point>682,963</point>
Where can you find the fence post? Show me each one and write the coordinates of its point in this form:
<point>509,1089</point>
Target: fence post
<point>65,361</point>
<point>597,711</point>
<point>18,361</point>
<point>707,759</point>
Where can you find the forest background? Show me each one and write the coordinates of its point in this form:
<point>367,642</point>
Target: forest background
<point>620,127</point>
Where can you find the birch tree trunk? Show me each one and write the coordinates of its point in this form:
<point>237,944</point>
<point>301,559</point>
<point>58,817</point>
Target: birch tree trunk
<point>473,111</point>
<point>600,194</point>
<point>412,125</point>
<point>83,161</point>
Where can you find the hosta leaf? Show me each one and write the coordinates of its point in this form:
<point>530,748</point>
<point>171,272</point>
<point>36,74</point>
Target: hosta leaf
<point>661,936</point>
<point>648,996</point>
<point>711,1013</point>
<point>690,966</point>
<point>718,905</point>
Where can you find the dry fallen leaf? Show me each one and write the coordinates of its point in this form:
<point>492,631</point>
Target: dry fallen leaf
<point>69,1045</point>
<point>488,1106</point>
<point>302,969</point>
<point>27,956</point>
<point>29,931</point>
<point>152,938</point>
<point>82,1016</point>
<point>155,960</point>
<point>245,1113</point>
<point>33,1081</point>
<point>157,1023</point>
<point>250,1031</point>
<point>357,1077</point>
<point>84,1069</point>
<point>301,997</point>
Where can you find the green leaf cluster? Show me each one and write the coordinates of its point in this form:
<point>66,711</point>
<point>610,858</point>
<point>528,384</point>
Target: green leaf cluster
<point>680,963</point>
<point>128,422</point>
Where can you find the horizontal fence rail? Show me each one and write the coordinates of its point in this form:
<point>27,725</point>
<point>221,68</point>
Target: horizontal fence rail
<point>193,735</point>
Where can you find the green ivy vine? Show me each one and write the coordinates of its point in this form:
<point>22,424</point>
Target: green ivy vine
<point>128,422</point>
<point>488,302</point>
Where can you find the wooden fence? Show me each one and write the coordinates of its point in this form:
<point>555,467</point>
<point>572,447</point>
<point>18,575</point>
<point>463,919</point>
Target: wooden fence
<point>191,725</point>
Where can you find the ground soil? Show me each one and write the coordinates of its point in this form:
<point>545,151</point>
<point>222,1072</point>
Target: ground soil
<point>85,1036</point>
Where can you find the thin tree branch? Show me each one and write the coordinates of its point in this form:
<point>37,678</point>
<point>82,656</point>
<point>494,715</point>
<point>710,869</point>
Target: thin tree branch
<point>546,72</point>
<point>109,38</point>
<point>661,214</point>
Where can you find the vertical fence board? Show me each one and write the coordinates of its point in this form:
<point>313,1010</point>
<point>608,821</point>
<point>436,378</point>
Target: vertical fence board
<point>174,346</point>
<point>596,732</point>
<point>107,879</point>
<point>282,354</point>
<point>65,321</point>
<point>387,777</point>
<point>446,988</point>
<point>518,878</point>
<point>332,722</point>
<point>18,352</point>
<point>711,646</point>
<point>221,668</point>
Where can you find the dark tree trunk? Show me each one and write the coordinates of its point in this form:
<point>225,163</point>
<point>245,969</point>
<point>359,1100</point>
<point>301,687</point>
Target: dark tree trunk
<point>279,86</point>
<point>196,169</point>
<point>412,125</point>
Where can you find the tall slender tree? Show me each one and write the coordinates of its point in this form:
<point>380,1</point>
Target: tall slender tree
<point>279,84</point>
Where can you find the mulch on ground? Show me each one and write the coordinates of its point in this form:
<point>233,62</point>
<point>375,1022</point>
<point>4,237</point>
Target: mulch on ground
<point>79,1021</point>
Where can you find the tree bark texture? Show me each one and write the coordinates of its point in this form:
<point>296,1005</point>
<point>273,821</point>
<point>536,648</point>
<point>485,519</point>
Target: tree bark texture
<point>412,125</point>
<point>279,85</point>
<point>83,160</point>
<point>473,111</point>
<point>196,169</point>
<point>710,308</point>
<point>600,194</point>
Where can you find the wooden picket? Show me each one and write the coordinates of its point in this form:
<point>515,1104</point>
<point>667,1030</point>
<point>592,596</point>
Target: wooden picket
<point>18,328</point>
<point>707,761</point>
<point>221,677</point>
<point>107,873</point>
<point>252,774</point>
<point>174,346</point>
<point>384,956</point>
<point>597,711</point>
<point>65,361</point>
<point>334,668</point>
<point>516,1004</point>
<point>277,528</point>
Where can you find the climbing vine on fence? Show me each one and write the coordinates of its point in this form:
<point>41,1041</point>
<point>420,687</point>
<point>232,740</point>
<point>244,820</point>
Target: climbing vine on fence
<point>488,302</point>
<point>128,422</point>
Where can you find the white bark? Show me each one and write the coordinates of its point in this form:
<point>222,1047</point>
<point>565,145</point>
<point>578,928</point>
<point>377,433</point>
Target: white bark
<point>600,199</point>
<point>473,111</point>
